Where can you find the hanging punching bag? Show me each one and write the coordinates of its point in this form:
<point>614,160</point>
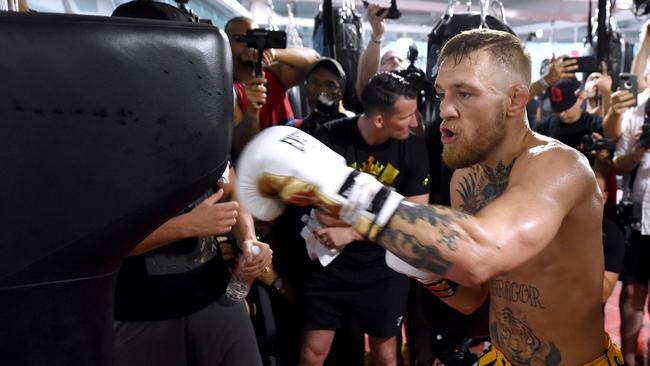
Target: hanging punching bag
<point>614,50</point>
<point>450,26</point>
<point>108,127</point>
<point>337,34</point>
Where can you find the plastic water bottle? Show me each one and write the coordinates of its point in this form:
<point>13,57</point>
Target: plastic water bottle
<point>240,284</point>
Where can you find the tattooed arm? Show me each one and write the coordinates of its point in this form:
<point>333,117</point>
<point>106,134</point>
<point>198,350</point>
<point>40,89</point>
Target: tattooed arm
<point>515,226</point>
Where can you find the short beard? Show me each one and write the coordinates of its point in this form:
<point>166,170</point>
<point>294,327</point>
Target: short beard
<point>461,159</point>
<point>473,152</point>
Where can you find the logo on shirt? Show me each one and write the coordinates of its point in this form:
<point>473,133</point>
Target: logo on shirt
<point>384,173</point>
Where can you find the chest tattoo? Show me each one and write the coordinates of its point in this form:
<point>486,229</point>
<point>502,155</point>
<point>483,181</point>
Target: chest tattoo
<point>482,185</point>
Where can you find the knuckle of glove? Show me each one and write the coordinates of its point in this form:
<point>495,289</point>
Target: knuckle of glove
<point>298,164</point>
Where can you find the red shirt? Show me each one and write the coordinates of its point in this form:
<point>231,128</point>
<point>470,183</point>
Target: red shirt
<point>277,110</point>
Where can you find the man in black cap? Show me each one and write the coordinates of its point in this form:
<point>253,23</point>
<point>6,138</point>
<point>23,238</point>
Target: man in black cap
<point>569,121</point>
<point>326,76</point>
<point>325,85</point>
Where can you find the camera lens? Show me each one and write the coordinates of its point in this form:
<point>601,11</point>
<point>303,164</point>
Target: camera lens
<point>628,85</point>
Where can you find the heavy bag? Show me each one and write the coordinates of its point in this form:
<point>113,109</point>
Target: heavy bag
<point>619,56</point>
<point>448,27</point>
<point>346,26</point>
<point>108,127</point>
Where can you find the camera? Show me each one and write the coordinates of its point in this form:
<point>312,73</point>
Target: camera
<point>416,77</point>
<point>588,143</point>
<point>412,73</point>
<point>628,82</point>
<point>585,64</point>
<point>393,12</point>
<point>326,110</point>
<point>261,39</point>
<point>625,213</point>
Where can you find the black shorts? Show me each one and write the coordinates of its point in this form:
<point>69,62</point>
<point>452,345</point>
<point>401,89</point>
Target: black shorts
<point>377,301</point>
<point>637,258</point>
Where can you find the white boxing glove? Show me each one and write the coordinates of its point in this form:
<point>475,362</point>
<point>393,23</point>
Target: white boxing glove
<point>283,164</point>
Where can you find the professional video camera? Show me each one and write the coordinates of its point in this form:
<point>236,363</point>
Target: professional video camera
<point>326,110</point>
<point>261,39</point>
<point>589,143</point>
<point>412,73</point>
<point>415,76</point>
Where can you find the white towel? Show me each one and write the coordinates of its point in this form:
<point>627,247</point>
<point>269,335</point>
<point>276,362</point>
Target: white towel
<point>314,247</point>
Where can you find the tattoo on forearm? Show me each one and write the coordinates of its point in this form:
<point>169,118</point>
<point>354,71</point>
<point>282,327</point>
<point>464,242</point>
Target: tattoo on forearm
<point>428,255</point>
<point>411,250</point>
<point>520,293</point>
<point>479,188</point>
<point>482,185</point>
<point>434,215</point>
<point>518,341</point>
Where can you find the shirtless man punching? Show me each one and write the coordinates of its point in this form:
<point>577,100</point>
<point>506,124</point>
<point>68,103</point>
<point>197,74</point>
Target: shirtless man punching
<point>525,227</point>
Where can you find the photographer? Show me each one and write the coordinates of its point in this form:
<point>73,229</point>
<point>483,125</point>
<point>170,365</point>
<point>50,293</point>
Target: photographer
<point>632,156</point>
<point>569,123</point>
<point>261,102</point>
<point>325,86</point>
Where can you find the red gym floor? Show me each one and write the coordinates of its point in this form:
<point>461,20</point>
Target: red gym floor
<point>612,323</point>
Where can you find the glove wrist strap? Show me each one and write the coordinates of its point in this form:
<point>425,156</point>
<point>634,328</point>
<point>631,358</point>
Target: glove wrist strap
<point>371,223</point>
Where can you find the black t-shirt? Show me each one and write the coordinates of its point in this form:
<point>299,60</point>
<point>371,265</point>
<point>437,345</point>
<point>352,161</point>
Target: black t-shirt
<point>570,133</point>
<point>172,281</point>
<point>401,164</point>
<point>613,245</point>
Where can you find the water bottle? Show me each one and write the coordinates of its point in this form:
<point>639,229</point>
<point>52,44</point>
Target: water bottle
<point>240,284</point>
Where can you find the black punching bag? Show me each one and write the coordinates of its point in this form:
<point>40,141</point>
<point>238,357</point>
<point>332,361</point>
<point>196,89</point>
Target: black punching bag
<point>337,34</point>
<point>108,127</point>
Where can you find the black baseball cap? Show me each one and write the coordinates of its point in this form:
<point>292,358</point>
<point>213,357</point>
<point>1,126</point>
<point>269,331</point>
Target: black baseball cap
<point>332,65</point>
<point>564,94</point>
